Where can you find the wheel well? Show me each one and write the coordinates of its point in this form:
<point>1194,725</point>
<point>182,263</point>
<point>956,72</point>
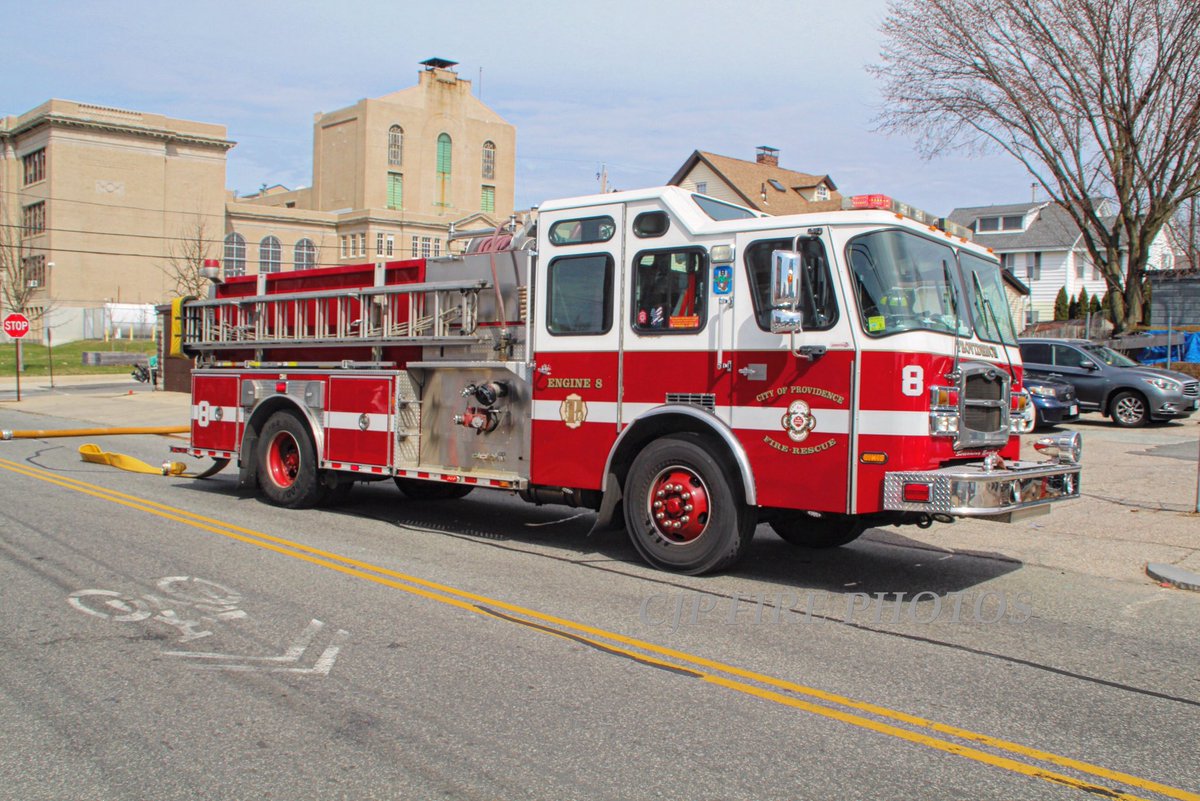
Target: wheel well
<point>657,424</point>
<point>247,464</point>
<point>1118,391</point>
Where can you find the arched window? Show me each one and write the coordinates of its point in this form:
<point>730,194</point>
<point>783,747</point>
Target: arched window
<point>443,169</point>
<point>235,255</point>
<point>270,253</point>
<point>306,255</point>
<point>395,146</point>
<point>489,160</point>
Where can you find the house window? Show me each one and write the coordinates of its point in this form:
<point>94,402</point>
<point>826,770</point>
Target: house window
<point>426,247</point>
<point>443,170</point>
<point>33,269</point>
<point>391,246</point>
<point>1080,266</point>
<point>378,244</point>
<point>489,160</point>
<point>822,192</point>
<point>1033,266</point>
<point>362,244</point>
<point>35,166</point>
<point>1031,317</point>
<point>33,219</point>
<point>1014,222</point>
<point>305,255</point>
<point>270,254</point>
<point>395,191</point>
<point>395,146</point>
<point>416,249</point>
<point>487,199</point>
<point>437,248</point>
<point>235,255</point>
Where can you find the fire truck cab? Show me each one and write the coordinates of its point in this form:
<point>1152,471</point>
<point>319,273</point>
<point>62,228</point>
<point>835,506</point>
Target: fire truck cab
<point>684,366</point>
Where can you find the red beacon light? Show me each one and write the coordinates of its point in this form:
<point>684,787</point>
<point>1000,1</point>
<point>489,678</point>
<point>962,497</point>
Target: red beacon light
<point>871,202</point>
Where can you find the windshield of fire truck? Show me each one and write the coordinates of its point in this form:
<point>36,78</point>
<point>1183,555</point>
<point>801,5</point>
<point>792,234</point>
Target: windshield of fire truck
<point>906,282</point>
<point>989,302</point>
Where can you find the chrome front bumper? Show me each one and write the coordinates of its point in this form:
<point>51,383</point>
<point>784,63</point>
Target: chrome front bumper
<point>1008,493</point>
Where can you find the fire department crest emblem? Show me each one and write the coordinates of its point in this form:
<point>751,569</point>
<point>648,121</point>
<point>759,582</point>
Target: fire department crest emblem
<point>798,421</point>
<point>573,410</point>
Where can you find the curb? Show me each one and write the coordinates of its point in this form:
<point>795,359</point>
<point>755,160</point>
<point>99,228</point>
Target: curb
<point>1175,576</point>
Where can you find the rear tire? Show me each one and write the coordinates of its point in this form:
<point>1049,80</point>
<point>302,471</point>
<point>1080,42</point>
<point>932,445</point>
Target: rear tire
<point>417,490</point>
<point>287,463</point>
<point>828,531</point>
<point>683,510</point>
<point>1129,410</point>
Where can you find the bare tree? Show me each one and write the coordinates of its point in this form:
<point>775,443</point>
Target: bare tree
<point>22,269</point>
<point>186,256</point>
<point>1098,99</point>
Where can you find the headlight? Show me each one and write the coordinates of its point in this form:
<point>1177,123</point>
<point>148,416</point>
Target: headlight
<point>1164,383</point>
<point>1042,392</point>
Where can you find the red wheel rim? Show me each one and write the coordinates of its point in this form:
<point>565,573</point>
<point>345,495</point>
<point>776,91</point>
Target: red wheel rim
<point>678,505</point>
<point>283,459</point>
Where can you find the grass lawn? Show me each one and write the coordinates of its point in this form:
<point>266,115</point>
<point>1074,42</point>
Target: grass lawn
<point>68,358</point>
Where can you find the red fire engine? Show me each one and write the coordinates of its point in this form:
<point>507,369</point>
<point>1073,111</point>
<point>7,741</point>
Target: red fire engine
<point>683,365</point>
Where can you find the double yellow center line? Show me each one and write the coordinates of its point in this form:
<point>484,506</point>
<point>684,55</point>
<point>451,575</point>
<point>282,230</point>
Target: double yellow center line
<point>1004,754</point>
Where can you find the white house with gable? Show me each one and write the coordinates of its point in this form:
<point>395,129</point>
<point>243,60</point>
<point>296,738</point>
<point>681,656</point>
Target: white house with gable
<point>1039,243</point>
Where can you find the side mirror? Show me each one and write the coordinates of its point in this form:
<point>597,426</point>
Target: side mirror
<point>1086,365</point>
<point>785,292</point>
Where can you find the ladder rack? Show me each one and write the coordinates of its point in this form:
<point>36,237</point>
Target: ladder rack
<point>428,313</point>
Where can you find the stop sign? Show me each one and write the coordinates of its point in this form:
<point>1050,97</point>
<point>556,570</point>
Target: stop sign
<point>16,325</point>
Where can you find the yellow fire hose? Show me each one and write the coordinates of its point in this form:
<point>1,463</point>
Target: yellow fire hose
<point>93,453</point>
<point>37,433</point>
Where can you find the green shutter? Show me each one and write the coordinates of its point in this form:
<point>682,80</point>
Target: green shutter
<point>443,154</point>
<point>487,199</point>
<point>395,191</point>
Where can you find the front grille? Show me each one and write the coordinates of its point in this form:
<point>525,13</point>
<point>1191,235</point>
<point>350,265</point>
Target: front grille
<point>983,418</point>
<point>984,407</point>
<point>984,386</point>
<point>1192,389</point>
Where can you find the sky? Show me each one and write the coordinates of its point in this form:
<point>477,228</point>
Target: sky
<point>633,86</point>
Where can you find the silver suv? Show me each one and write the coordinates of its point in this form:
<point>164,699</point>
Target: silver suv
<point>1112,384</point>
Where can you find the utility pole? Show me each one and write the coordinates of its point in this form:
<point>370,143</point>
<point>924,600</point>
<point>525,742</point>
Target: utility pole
<point>602,177</point>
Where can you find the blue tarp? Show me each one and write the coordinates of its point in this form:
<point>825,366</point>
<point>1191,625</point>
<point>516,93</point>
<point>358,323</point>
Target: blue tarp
<point>1189,351</point>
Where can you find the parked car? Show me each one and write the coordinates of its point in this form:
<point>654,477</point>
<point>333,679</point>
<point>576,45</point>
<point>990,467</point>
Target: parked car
<point>1053,401</point>
<point>1107,382</point>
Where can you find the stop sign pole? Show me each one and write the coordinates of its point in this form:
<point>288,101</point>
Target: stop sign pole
<point>16,325</point>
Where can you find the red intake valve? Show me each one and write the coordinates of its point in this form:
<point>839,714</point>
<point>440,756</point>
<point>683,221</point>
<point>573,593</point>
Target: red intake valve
<point>482,421</point>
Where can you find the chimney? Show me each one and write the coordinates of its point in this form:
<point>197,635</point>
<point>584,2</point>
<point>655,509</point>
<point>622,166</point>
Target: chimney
<point>767,155</point>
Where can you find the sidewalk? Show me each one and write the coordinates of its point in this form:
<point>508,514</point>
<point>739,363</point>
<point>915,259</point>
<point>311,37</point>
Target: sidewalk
<point>103,400</point>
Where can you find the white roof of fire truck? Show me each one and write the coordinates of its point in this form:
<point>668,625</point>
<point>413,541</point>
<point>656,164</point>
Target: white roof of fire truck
<point>859,210</point>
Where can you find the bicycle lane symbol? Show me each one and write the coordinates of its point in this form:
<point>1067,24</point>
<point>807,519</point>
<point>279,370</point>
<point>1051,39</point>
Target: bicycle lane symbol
<point>200,603</point>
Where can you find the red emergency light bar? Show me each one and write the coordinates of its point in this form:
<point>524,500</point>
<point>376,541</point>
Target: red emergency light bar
<point>871,202</point>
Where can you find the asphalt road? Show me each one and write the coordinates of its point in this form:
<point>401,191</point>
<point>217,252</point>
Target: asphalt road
<point>171,639</point>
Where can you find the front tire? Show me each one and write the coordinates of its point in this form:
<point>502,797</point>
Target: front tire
<point>1129,410</point>
<point>287,463</point>
<point>683,511</point>
<point>826,531</point>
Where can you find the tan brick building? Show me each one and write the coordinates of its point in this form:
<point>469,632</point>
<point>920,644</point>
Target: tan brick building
<point>389,176</point>
<point>111,198</point>
<point>98,193</point>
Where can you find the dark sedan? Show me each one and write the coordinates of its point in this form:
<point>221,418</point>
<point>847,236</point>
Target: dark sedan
<point>1053,401</point>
